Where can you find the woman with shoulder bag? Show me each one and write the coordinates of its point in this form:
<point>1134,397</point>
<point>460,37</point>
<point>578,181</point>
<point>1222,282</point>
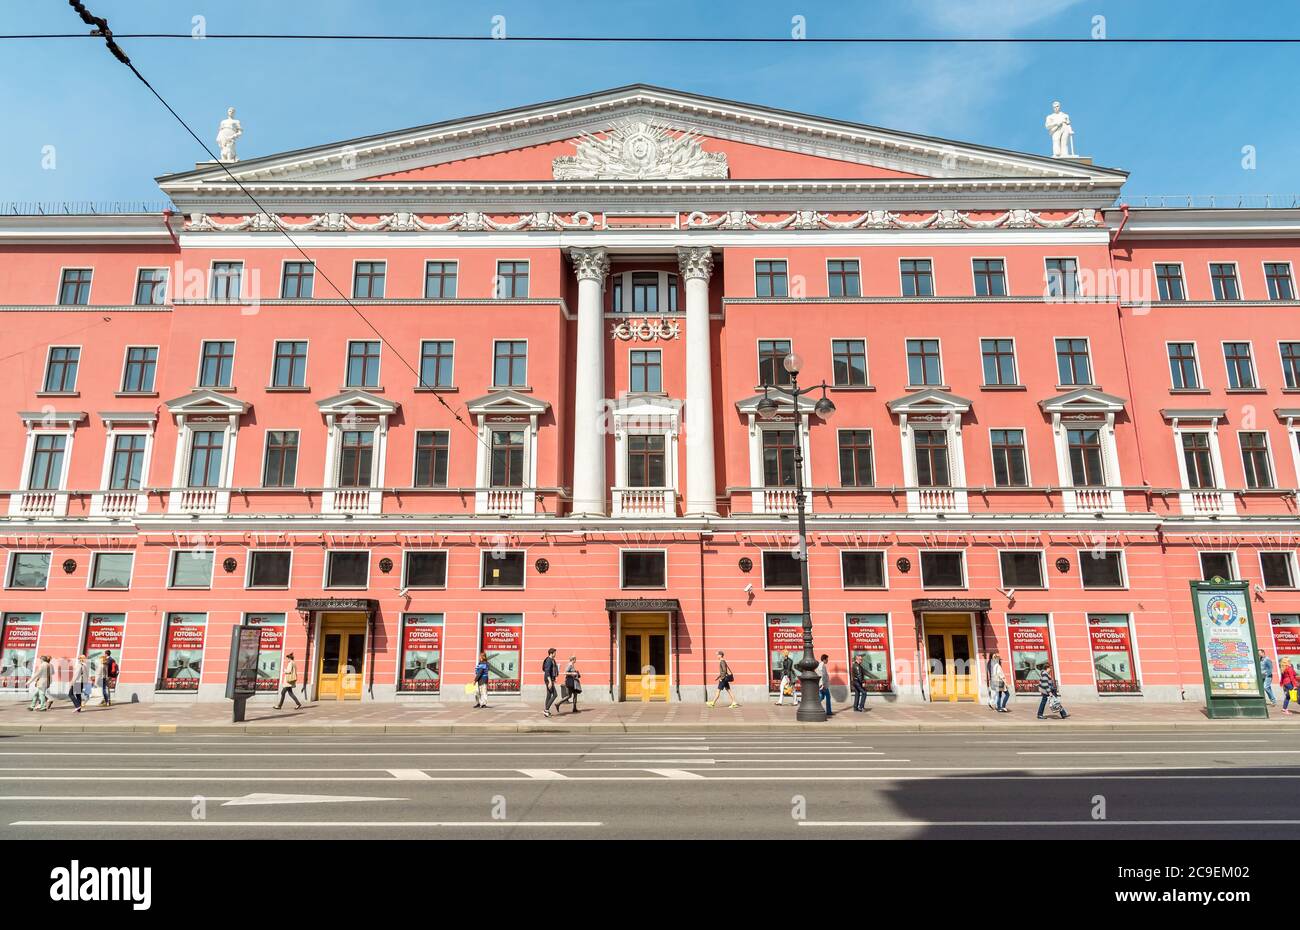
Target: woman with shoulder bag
<point>572,685</point>
<point>998,684</point>
<point>1289,682</point>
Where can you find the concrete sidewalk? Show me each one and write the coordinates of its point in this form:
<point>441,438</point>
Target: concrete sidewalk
<point>509,715</point>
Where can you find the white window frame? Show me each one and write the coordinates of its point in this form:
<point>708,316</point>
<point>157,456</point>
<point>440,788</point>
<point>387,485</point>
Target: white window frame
<point>108,502</point>
<point>1092,367</point>
<point>285,262</point>
<point>1081,554</point>
<point>9,570</point>
<point>753,270</point>
<point>1078,287</point>
<point>424,279</point>
<point>1015,360</point>
<point>209,294</point>
<point>484,554</point>
<point>415,452</point>
<point>248,570</point>
<point>1024,436</point>
<point>198,371</point>
<point>379,368</point>
<point>884,572</point>
<point>866,362</point>
<point>135,283</point>
<point>1196,360</point>
<point>266,448</point>
<point>1236,276</point>
<point>647,415</point>
<point>528,359</point>
<point>1202,500</point>
<point>907,373</point>
<point>1006,286</point>
<point>1268,455</point>
<point>800,424</point>
<point>126,353</point>
<point>1254,367</point>
<point>1291,560</point>
<point>762,568</point>
<point>853,429</point>
<point>758,358</point>
<point>1235,567</point>
<point>662,392</point>
<point>94,559</point>
<point>446,569</point>
<point>306,363</point>
<point>352,283</point>
<point>965,570</point>
<point>51,502</point>
<point>1290,273</point>
<point>934,280</point>
<point>857,260</point>
<point>496,277</point>
<point>951,423</point>
<point>1182,277</point>
<point>419,374</point>
<point>45,373</point>
<point>325,573</point>
<point>171,570</point>
<point>58,285</point>
<point>1045,583</point>
<point>622,582</point>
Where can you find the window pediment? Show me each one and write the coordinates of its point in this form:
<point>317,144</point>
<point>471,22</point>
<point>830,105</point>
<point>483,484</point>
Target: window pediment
<point>931,400</point>
<point>357,402</point>
<point>200,402</point>
<point>507,402</point>
<point>1083,400</point>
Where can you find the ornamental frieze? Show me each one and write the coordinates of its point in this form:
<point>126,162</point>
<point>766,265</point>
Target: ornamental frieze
<point>645,330</point>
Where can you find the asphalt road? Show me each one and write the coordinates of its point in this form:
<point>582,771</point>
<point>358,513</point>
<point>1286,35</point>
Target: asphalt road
<point>1187,784</point>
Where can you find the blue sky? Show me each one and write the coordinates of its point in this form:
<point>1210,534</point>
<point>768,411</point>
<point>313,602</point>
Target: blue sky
<point>1177,117</point>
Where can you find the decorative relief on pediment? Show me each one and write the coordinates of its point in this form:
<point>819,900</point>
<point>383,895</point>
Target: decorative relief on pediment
<point>640,150</point>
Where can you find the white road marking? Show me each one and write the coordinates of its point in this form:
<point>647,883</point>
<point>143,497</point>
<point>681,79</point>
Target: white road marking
<point>543,774</point>
<point>406,774</point>
<point>306,824</point>
<point>674,773</point>
<point>258,799</point>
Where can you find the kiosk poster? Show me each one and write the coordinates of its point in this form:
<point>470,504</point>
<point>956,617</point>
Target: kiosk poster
<point>18,649</point>
<point>1226,642</point>
<point>784,634</point>
<point>503,641</point>
<point>1286,638</point>
<point>183,654</point>
<point>247,649</point>
<point>1112,654</point>
<point>421,653</point>
<point>869,637</point>
<point>270,649</point>
<point>1030,642</point>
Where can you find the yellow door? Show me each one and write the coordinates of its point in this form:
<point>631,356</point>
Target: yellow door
<point>645,657</point>
<point>950,658</point>
<point>342,657</point>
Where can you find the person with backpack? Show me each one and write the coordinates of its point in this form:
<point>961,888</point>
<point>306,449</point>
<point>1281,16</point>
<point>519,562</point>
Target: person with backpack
<point>550,674</point>
<point>40,684</point>
<point>787,678</point>
<point>1049,693</point>
<point>481,681</point>
<point>998,684</point>
<point>108,669</point>
<point>288,681</point>
<point>858,682</point>
<point>77,687</point>
<point>724,679</point>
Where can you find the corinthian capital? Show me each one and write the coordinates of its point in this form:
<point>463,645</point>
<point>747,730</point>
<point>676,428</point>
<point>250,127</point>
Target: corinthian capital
<point>695,261</point>
<point>590,264</point>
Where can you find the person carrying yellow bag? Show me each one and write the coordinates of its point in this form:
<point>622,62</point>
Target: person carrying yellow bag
<point>1288,679</point>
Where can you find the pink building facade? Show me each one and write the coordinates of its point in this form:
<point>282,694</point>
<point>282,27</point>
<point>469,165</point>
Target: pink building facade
<point>495,384</point>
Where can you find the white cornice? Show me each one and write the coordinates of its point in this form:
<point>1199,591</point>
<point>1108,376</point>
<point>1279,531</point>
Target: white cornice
<point>89,228</point>
<point>1197,223</point>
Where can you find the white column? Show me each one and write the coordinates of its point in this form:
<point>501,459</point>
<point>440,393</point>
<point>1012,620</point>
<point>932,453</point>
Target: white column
<point>696,265</point>
<point>589,422</point>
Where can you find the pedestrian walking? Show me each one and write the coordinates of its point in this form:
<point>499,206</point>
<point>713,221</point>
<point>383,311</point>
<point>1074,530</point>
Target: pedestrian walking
<point>289,681</point>
<point>1288,681</point>
<point>40,684</point>
<point>787,678</point>
<point>550,673</point>
<point>1266,677</point>
<point>77,687</point>
<point>1049,693</point>
<point>107,675</point>
<point>723,681</point>
<point>858,682</point>
<point>824,674</point>
<point>998,684</point>
<point>481,681</point>
<point>572,685</point>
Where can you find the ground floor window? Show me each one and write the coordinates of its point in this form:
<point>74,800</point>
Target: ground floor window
<point>1286,638</point>
<point>868,636</point>
<point>784,637</point>
<point>1113,659</point>
<point>104,632</point>
<point>502,638</point>
<point>1030,644</point>
<point>182,665</point>
<point>422,654</point>
<point>270,649</point>
<point>18,636</point>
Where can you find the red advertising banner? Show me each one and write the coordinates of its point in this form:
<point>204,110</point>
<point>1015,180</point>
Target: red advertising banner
<point>784,634</point>
<point>869,638</point>
<point>1112,654</point>
<point>1286,638</point>
<point>183,652</point>
<point>422,654</point>
<point>270,649</point>
<point>104,632</point>
<point>1031,649</point>
<point>18,638</point>
<point>503,641</point>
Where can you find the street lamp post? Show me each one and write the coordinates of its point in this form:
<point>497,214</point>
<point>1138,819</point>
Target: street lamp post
<point>810,708</point>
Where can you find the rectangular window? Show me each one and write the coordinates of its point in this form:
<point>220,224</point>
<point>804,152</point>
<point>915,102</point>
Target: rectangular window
<point>281,469</point>
<point>111,570</point>
<point>778,458</point>
<point>216,364</point>
<point>856,465</point>
<point>770,279</point>
<point>1030,644</point>
<point>368,279</point>
<point>999,357</point>
<point>1183,372</point>
<point>268,568</point>
<point>205,458</point>
<point>424,568</point>
<point>1254,460</point>
<point>421,653</point>
<point>1278,569</point>
<point>1009,464</point>
<point>356,458</point>
<point>507,469</point>
<point>923,363</point>
<point>646,460</point>
<point>363,364</point>
<point>503,569</point>
<point>502,638</point>
<point>990,277</point>
<point>19,634</point>
<point>1072,364</point>
<point>645,292</point>
<point>782,570</point>
<point>672,293</point>
<point>1241,367</point>
<point>1217,565</point>
<point>917,277</point>
<point>1169,281</point>
<point>943,570</point>
<point>849,362</point>
<point>863,569</point>
<point>74,287</point>
<point>432,454</point>
<point>843,278</point>
<point>645,568</point>
<point>1021,569</point>
<point>1101,569</point>
<point>192,568</point>
<point>1290,363</point>
<point>1197,459</point>
<point>1113,661</point>
<point>61,370</point>
<point>127,463</point>
<point>29,570</point>
<point>931,449</point>
<point>344,569</point>
<point>183,652</point>
<point>437,357</point>
<point>1062,277</point>
<point>47,462</point>
<point>227,280</point>
<point>771,362</point>
<point>140,369</point>
<point>151,287</point>
<point>510,363</point>
<point>645,371</point>
<point>512,280</point>
<point>1278,276</point>
<point>1223,275</point>
<point>289,366</point>
<point>298,281</point>
<point>439,280</point>
<point>1085,458</point>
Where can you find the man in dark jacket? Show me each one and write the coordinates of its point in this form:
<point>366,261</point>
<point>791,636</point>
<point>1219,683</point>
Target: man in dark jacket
<point>550,672</point>
<point>858,680</point>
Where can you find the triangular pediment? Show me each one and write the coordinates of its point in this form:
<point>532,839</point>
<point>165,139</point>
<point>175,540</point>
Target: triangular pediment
<point>1083,400</point>
<point>931,400</point>
<point>784,405</point>
<point>507,402</point>
<point>207,402</point>
<point>356,401</point>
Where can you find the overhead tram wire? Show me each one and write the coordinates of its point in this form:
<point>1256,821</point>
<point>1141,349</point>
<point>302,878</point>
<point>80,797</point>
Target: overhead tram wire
<point>102,30</point>
<point>690,40</point>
